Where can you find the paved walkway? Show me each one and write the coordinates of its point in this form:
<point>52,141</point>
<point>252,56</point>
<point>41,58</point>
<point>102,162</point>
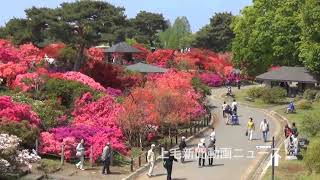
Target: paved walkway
<point>227,137</point>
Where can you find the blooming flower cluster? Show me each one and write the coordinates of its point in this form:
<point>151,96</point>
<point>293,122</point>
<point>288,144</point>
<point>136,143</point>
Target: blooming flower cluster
<point>10,156</point>
<point>211,79</point>
<point>144,52</point>
<point>13,111</point>
<point>160,57</point>
<point>79,77</point>
<point>95,122</point>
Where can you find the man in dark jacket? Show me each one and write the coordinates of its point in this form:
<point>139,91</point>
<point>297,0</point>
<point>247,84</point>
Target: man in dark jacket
<point>182,147</point>
<point>106,158</point>
<point>168,163</point>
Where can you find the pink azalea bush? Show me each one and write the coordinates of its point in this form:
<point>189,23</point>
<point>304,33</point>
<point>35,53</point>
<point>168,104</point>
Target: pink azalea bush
<point>97,137</point>
<point>102,113</point>
<point>79,77</point>
<point>211,79</point>
<point>17,112</point>
<point>26,81</point>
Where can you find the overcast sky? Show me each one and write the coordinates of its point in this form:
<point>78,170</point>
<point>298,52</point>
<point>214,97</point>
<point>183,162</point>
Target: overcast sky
<point>198,12</point>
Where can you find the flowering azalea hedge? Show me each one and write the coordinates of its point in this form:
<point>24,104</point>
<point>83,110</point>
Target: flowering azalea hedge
<point>97,137</point>
<point>12,111</point>
<point>211,79</point>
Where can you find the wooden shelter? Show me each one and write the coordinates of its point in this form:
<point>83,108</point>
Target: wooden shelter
<point>289,76</point>
<point>121,47</point>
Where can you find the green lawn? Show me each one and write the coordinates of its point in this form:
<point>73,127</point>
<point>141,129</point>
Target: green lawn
<point>290,170</point>
<point>241,96</point>
<point>300,113</point>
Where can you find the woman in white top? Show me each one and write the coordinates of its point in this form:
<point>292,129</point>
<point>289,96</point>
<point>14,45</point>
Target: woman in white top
<point>80,154</point>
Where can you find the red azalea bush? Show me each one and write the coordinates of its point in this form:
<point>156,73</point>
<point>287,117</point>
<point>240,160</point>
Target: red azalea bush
<point>14,61</point>
<point>111,75</point>
<point>53,50</point>
<point>211,79</point>
<point>95,54</point>
<point>144,52</point>
<point>30,54</point>
<point>17,112</point>
<point>160,57</point>
<point>179,85</point>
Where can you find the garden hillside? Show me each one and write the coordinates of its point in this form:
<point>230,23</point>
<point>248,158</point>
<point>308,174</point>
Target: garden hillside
<point>47,106</point>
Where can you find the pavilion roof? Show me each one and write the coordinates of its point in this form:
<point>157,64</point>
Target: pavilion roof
<point>122,47</point>
<point>146,68</point>
<point>289,74</point>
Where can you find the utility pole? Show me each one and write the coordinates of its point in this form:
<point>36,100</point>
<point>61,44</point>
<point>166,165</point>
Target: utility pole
<point>273,158</point>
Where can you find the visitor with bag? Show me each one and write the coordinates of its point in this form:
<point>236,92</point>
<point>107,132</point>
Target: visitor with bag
<point>80,154</point>
<point>250,128</point>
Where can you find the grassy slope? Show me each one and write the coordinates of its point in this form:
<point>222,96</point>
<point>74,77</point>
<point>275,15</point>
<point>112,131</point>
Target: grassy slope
<point>293,170</point>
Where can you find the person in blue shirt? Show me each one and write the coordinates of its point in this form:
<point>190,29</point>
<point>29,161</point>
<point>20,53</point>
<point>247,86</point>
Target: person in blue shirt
<point>291,108</point>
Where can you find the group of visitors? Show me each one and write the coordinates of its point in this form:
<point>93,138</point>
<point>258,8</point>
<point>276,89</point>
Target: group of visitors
<point>291,142</point>
<point>207,151</point>
<point>230,112</point>
<point>264,128</point>
<point>105,157</point>
<point>168,159</point>
<point>203,152</point>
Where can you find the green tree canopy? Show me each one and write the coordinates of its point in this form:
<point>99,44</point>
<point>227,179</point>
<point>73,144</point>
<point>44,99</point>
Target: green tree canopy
<point>217,35</point>
<point>310,38</point>
<point>267,33</point>
<point>147,25</point>
<point>178,35</point>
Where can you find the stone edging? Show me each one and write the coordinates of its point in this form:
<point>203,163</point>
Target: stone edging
<point>145,167</point>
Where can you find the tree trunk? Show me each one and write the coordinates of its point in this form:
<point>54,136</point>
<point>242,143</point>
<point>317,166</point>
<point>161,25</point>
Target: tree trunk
<point>78,62</point>
<point>140,140</point>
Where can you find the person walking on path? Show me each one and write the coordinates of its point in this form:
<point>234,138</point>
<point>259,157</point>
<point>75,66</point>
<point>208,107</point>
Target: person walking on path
<point>211,150</point>
<point>202,152</point>
<point>234,106</point>
<point>182,147</point>
<point>168,163</point>
<point>106,158</point>
<point>151,160</point>
<point>224,109</point>
<point>251,128</point>
<point>80,154</point>
<point>264,127</point>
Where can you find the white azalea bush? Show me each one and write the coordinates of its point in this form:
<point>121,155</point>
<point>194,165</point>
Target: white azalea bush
<point>11,157</point>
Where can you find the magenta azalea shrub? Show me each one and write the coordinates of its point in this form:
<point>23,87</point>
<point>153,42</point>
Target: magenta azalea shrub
<point>97,137</point>
<point>12,111</point>
<point>211,79</point>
